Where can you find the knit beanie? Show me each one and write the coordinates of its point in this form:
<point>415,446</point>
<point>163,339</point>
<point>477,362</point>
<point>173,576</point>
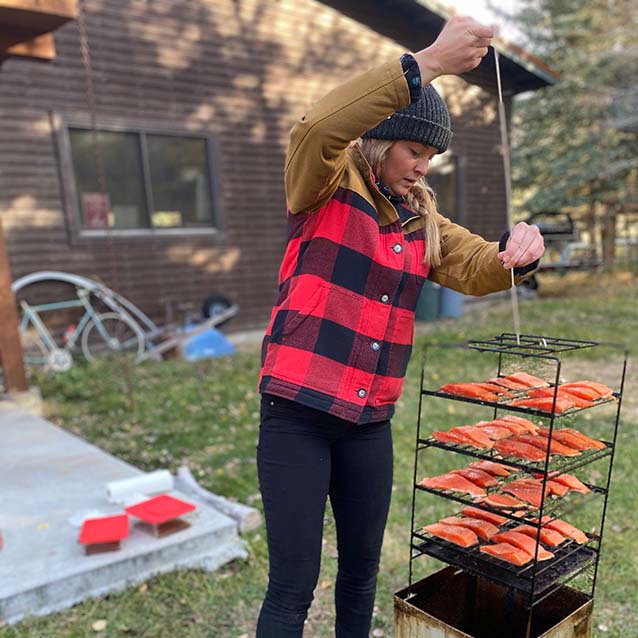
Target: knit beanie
<point>426,121</point>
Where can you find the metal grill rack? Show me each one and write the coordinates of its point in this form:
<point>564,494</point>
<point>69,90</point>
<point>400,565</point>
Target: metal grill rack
<point>537,579</point>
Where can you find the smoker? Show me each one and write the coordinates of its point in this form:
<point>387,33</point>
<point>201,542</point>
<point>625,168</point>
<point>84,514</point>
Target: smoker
<point>477,595</point>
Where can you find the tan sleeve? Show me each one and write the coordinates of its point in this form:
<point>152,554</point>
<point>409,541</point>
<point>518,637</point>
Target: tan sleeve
<point>316,157</point>
<point>470,264</point>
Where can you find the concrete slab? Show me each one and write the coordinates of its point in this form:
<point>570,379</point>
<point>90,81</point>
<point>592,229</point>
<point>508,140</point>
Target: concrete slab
<point>47,477</point>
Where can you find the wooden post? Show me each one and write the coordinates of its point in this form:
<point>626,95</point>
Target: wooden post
<point>15,378</point>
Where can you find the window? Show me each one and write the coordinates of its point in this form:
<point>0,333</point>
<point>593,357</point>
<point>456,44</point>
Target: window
<point>153,181</point>
<point>444,178</point>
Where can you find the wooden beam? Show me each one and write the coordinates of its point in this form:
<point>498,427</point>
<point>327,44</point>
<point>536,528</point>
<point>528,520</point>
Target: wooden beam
<point>42,15</point>
<point>15,378</point>
<point>41,47</point>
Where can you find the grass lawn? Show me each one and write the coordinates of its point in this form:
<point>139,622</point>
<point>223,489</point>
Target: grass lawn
<point>206,415</point>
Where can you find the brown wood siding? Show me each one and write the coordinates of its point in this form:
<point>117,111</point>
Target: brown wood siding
<point>240,71</point>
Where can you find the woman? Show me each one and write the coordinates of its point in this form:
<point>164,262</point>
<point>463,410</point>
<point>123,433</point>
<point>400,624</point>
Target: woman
<point>364,234</point>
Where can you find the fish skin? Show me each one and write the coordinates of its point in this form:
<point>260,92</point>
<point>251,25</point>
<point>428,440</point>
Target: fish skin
<point>528,379</point>
<point>469,390</point>
<point>476,476</point>
<point>549,537</point>
<point>524,542</point>
<point>452,482</point>
<point>541,442</point>
<point>495,469</point>
<point>490,517</point>
<point>506,447</point>
<point>483,529</point>
<point>453,533</point>
<point>507,552</point>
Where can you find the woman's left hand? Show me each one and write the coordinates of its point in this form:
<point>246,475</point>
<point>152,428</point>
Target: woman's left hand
<point>524,246</point>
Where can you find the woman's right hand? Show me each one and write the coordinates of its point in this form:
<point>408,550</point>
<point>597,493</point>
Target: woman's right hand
<point>460,47</point>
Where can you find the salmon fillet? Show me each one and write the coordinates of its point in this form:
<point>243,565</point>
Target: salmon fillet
<point>469,390</point>
<point>495,388</point>
<point>528,379</point>
<point>511,384</point>
<point>593,443</point>
<point>495,469</point>
<point>579,402</point>
<point>520,450</point>
<point>490,517</point>
<point>473,433</point>
<point>564,528</point>
<point>507,552</point>
<point>603,390</point>
<point>454,533</point>
<point>572,483</point>
<point>566,438</point>
<point>545,404</point>
<point>556,488</point>
<point>483,529</point>
<point>454,483</point>
<point>476,476</point>
<point>514,428</point>
<point>541,442</point>
<point>495,432</point>
<point>549,537</point>
<point>532,428</point>
<point>453,437</point>
<point>524,542</point>
<point>503,501</point>
<point>530,493</point>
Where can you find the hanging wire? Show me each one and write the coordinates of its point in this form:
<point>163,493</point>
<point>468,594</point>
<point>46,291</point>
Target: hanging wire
<point>508,192</point>
<point>101,176</point>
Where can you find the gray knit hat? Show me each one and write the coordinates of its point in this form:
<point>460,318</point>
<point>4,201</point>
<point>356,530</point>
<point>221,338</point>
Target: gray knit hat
<point>426,121</point>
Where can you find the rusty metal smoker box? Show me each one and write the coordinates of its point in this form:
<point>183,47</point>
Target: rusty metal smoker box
<point>455,604</point>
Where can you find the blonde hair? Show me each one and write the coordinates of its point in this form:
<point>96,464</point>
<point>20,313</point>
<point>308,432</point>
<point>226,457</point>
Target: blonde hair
<point>420,197</point>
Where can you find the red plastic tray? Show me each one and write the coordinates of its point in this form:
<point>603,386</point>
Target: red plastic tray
<point>106,529</point>
<point>160,509</point>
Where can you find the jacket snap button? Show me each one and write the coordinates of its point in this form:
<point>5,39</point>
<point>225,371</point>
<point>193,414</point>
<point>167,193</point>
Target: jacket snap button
<point>385,298</point>
<point>362,393</point>
<point>397,248</point>
<point>375,345</point>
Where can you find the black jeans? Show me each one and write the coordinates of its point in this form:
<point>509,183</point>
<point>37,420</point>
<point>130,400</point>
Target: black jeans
<point>303,456</point>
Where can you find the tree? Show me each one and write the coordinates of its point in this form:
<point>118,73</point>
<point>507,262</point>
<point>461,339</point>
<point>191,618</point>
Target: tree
<point>575,144</point>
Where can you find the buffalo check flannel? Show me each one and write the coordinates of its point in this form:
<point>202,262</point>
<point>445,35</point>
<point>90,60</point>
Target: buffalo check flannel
<point>340,334</point>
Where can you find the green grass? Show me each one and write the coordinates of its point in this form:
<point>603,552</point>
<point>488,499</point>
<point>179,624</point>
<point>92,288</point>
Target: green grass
<point>160,415</point>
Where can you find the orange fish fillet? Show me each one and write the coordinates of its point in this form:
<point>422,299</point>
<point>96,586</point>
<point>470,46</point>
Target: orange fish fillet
<point>524,542</point>
<point>603,390</point>
<point>564,528</point>
<point>548,537</point>
<point>571,482</point>
<point>469,390</point>
<point>476,476</point>
<point>593,443</point>
<point>473,433</point>
<point>567,438</point>
<point>520,450</point>
<point>495,469</point>
<point>578,401</point>
<point>541,442</point>
<point>507,552</point>
<point>528,379</point>
<point>508,383</point>
<point>545,404</point>
<point>483,529</point>
<point>490,517</point>
<point>453,437</point>
<point>454,483</point>
<point>532,428</point>
<point>494,432</point>
<point>454,533</point>
<point>503,501</point>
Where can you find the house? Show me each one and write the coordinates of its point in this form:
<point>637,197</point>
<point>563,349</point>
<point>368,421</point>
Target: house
<point>149,153</point>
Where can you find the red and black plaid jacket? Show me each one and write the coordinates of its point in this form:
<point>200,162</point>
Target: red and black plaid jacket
<point>340,334</point>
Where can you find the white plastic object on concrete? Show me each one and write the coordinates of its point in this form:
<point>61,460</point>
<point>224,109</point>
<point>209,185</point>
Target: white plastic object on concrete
<point>139,486</point>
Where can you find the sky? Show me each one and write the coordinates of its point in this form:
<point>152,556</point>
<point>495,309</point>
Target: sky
<point>478,9</point>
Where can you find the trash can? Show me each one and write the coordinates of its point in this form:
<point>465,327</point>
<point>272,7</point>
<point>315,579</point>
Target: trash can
<point>427,307</point>
<point>450,303</point>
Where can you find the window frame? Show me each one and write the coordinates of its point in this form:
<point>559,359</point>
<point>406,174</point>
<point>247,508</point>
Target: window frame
<point>78,235</point>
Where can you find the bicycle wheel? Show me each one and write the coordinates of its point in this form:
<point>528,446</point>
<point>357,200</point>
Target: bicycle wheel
<point>111,334</point>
